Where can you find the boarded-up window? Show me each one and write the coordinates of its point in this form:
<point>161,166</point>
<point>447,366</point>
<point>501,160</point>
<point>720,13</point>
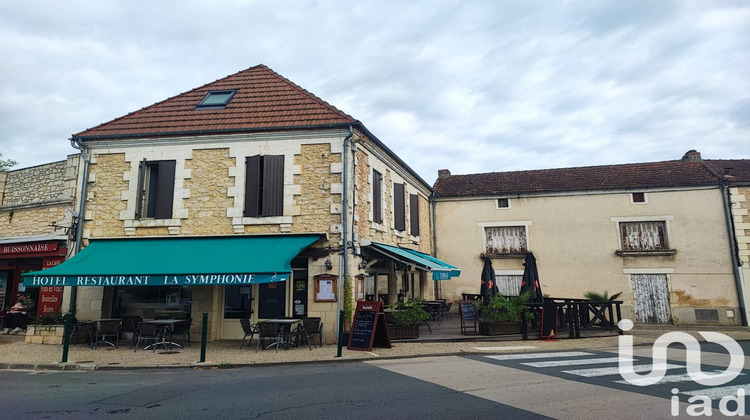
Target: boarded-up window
<point>414,214</point>
<point>508,285</point>
<point>505,240</point>
<point>399,207</point>
<point>377,197</point>
<point>651,295</point>
<point>643,236</point>
<point>264,186</point>
<point>155,189</point>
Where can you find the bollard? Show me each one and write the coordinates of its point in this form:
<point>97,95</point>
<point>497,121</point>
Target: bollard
<point>204,333</point>
<point>341,333</point>
<point>66,337</point>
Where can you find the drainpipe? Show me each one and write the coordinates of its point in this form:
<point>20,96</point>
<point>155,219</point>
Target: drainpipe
<point>78,144</point>
<point>733,251</point>
<point>344,261</point>
<point>438,286</point>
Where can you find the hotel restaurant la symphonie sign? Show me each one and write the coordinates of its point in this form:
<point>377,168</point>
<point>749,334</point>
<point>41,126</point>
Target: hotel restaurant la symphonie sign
<point>152,280</point>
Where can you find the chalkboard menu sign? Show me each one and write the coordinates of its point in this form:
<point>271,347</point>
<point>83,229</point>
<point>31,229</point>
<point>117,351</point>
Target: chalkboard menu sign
<point>469,317</point>
<point>549,320</point>
<point>469,310</point>
<point>368,327</point>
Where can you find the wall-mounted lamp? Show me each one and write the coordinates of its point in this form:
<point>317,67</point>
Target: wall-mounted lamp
<point>329,264</point>
<point>362,264</point>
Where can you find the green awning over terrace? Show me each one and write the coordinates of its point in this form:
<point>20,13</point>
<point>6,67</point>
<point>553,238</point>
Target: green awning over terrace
<point>215,260</point>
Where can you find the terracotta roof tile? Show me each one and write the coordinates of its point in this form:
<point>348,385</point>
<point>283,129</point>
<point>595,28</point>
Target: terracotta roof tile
<point>264,100</point>
<point>637,175</point>
<point>735,170</point>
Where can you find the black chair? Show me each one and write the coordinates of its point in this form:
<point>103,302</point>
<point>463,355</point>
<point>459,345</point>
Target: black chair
<point>249,330</point>
<point>130,325</point>
<point>447,311</point>
<point>270,331</point>
<point>109,328</point>
<point>82,332</point>
<point>317,330</point>
<point>182,329</point>
<point>148,332</point>
<point>305,330</point>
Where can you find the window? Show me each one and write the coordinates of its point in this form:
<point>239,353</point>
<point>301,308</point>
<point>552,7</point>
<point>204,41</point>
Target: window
<point>377,197</point>
<point>503,203</point>
<point>264,186</point>
<point>155,189</point>
<point>505,240</point>
<point>399,207</point>
<point>643,236</point>
<point>216,99</point>
<point>509,285</point>
<point>414,214</point>
<point>638,197</point>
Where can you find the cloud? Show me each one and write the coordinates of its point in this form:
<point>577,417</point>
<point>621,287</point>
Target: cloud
<point>472,86</point>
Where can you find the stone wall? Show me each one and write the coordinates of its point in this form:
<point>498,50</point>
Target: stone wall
<point>104,198</point>
<point>320,190</point>
<point>33,198</point>
<point>208,185</point>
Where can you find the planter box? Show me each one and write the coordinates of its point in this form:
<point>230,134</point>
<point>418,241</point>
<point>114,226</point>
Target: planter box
<point>499,328</point>
<point>45,334</point>
<point>403,332</point>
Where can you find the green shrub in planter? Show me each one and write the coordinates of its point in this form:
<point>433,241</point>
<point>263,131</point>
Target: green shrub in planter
<point>499,308</point>
<point>50,319</point>
<point>410,313</point>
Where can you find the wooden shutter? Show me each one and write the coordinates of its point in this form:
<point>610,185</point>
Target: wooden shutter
<point>399,207</point>
<point>414,214</point>
<point>272,199</point>
<point>377,197</point>
<point>252,186</point>
<point>165,190</point>
<point>140,193</point>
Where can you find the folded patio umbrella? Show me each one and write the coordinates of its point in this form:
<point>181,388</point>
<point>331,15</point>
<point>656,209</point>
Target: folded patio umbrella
<point>530,280</point>
<point>489,287</point>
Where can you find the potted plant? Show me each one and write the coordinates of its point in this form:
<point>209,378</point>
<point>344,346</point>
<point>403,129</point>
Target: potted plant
<point>407,318</point>
<point>597,305</point>
<point>501,315</point>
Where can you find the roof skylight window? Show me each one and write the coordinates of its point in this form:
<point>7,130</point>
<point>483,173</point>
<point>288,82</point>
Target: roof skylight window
<point>216,99</point>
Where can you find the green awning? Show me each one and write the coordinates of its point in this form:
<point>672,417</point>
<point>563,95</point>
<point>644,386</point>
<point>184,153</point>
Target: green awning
<point>177,261</point>
<point>440,270</point>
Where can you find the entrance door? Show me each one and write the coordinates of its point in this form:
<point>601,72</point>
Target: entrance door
<point>272,300</point>
<point>651,295</point>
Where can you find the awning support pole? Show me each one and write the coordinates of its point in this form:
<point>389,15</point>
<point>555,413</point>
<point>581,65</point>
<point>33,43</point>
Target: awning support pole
<point>204,334</point>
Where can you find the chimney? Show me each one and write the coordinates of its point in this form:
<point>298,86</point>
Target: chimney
<point>443,173</point>
<point>692,156</point>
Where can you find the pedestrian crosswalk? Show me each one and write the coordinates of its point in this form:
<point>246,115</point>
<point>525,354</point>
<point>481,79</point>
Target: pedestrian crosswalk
<point>603,368</point>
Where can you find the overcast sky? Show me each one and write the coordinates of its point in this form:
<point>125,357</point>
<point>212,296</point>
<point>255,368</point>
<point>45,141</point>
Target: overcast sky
<point>470,86</point>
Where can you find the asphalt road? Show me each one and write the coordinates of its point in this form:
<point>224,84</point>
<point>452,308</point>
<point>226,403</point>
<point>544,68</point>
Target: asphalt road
<point>580,384</point>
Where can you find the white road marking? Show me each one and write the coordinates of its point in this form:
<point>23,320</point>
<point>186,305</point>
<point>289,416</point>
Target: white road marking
<point>538,355</point>
<point>591,373</point>
<point>573,362</point>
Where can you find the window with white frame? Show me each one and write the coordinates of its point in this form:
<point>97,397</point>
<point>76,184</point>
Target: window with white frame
<point>644,236</point>
<point>509,285</point>
<point>501,240</point>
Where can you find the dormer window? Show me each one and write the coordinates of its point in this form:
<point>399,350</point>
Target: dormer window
<point>216,99</point>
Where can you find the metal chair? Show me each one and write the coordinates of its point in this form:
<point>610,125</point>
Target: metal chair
<point>271,331</point>
<point>108,328</point>
<point>309,326</point>
<point>249,329</point>
<point>82,330</point>
<point>182,328</point>
<point>148,332</point>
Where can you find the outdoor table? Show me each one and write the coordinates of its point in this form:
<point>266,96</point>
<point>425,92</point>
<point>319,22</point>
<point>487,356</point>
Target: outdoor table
<point>285,326</point>
<point>165,327</point>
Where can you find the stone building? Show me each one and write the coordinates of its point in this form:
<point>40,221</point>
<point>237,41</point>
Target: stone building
<point>248,197</point>
<point>36,217</point>
<point>657,232</point>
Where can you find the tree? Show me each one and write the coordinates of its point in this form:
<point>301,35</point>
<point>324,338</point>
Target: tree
<point>6,164</point>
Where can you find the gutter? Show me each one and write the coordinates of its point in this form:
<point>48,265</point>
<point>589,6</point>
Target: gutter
<point>344,261</point>
<point>78,144</point>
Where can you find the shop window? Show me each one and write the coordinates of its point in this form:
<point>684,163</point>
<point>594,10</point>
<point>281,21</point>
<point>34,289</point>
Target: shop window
<point>399,207</point>
<point>502,240</point>
<point>377,197</point>
<point>155,189</point>
<point>414,214</point>
<point>238,301</point>
<point>264,186</point>
<point>150,302</point>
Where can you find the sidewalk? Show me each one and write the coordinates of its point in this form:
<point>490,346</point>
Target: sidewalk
<point>17,354</point>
